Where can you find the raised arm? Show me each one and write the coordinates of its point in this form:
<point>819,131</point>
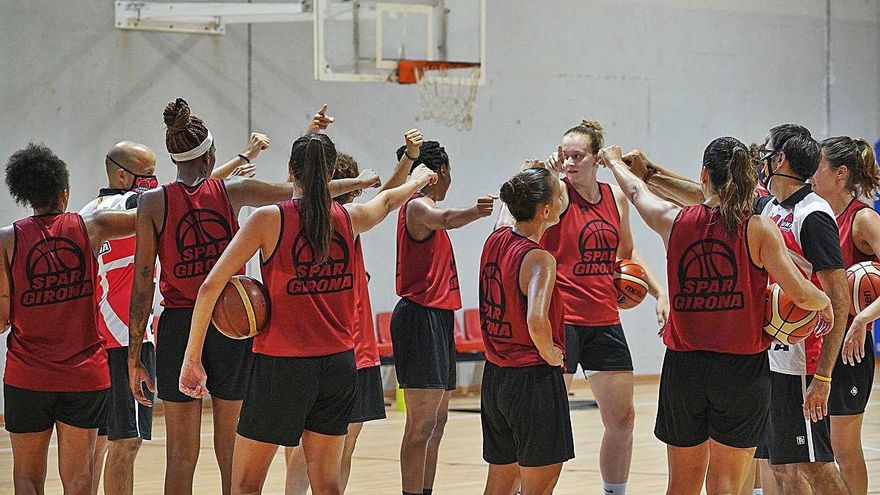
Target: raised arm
<point>662,182</point>
<point>150,216</point>
<point>866,235</point>
<point>657,213</point>
<point>104,225</point>
<point>241,165</point>
<point>537,277</point>
<point>413,140</point>
<point>260,230</point>
<point>365,216</point>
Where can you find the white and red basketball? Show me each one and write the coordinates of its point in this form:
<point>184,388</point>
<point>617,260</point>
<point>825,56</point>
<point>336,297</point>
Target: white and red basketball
<point>784,320</point>
<point>864,285</point>
<point>631,283</point>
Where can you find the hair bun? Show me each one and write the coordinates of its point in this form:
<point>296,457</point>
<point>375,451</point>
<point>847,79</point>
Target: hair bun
<point>177,115</point>
<point>591,124</point>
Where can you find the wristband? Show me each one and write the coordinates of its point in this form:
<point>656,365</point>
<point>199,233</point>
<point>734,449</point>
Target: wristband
<point>240,155</point>
<point>650,173</point>
<point>409,157</point>
<point>822,378</point>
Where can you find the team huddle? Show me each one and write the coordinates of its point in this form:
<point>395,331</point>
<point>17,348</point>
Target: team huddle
<point>737,408</point>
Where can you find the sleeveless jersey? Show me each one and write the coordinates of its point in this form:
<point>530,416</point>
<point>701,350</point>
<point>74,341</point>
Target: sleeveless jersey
<point>426,273</point>
<point>716,293</point>
<point>800,358</point>
<point>313,305</point>
<point>584,243</point>
<point>54,345</point>
<point>366,349</point>
<point>115,276</point>
<point>199,224</point>
<point>851,253</point>
<point>504,307</point>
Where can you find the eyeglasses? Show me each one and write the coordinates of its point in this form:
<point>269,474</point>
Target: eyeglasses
<point>766,154</point>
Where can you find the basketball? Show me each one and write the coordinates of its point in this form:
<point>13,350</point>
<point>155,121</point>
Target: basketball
<point>631,283</point>
<point>785,321</point>
<point>864,284</point>
<point>243,308</point>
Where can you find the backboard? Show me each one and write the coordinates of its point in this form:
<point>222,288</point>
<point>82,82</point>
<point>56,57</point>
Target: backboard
<point>363,40</point>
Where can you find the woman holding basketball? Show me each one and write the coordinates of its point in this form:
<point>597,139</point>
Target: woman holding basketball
<point>524,404</point>
<point>715,383</point>
<point>188,224</point>
<point>848,171</point>
<point>304,378</point>
<point>592,234</point>
<point>56,375</point>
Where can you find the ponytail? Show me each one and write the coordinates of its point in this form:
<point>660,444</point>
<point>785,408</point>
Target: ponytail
<point>857,155</point>
<point>312,161</point>
<point>732,174</point>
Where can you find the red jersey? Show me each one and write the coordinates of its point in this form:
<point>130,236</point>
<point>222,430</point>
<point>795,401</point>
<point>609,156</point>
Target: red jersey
<point>115,274</point>
<point>851,253</point>
<point>426,273</point>
<point>584,243</point>
<point>716,292</point>
<point>54,345</point>
<point>504,307</point>
<point>313,305</point>
<point>199,224</point>
<point>366,349</point>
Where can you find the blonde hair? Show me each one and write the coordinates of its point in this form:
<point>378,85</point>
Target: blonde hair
<point>592,131</point>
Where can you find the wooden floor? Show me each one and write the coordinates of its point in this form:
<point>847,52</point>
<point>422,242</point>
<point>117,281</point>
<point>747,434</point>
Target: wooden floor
<point>461,469</point>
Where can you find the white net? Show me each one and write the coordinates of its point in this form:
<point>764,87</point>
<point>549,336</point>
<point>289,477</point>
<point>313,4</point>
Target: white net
<point>449,100</point>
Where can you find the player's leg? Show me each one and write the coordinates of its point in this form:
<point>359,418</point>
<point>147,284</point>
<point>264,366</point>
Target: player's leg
<point>846,441</point>
<point>433,449</point>
<point>323,455</point>
<point>354,430</point>
<point>119,471</point>
<point>296,481</point>
<point>183,426</point>
<point>729,469</point>
<point>614,395</point>
<point>687,468</point>
<point>101,444</point>
<point>503,479</point>
<point>539,480</point>
<point>250,465</point>
<point>225,414</point>
<point>75,446</point>
<point>30,453</point>
<point>824,478</point>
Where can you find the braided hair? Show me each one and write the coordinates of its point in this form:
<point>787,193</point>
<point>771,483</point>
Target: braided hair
<point>431,154</point>
<point>184,131</point>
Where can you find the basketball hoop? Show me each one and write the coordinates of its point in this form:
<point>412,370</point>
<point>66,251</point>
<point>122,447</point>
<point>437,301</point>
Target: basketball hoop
<point>445,98</point>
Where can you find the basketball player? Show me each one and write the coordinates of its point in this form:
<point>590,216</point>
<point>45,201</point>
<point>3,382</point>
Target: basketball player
<point>304,381</point>
<point>56,368</point>
<point>592,234</point>
<point>131,171</point>
<point>370,402</point>
<point>848,171</point>
<point>188,223</point>
<point>721,255</point>
<point>524,403</point>
<point>422,323</point>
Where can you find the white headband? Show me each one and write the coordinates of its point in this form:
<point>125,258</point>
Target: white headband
<point>195,152</point>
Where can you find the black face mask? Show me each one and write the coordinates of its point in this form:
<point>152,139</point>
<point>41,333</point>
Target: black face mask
<point>140,183</point>
<point>766,173</point>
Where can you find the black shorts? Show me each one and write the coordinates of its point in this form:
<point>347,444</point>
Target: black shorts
<point>703,395</point>
<point>851,385</point>
<point>790,438</point>
<point>369,404</point>
<point>32,411</point>
<point>227,361</point>
<point>525,416</point>
<point>126,417</point>
<point>596,349</point>
<point>286,395</point>
<point>424,346</point>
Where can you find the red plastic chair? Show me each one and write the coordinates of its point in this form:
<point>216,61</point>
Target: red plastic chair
<point>383,334</point>
<point>469,337</point>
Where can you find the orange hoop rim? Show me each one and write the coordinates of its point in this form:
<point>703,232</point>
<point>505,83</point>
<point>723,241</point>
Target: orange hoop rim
<point>410,71</point>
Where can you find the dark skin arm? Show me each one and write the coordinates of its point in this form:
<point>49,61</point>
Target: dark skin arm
<point>664,183</point>
<point>7,243</point>
<point>150,217</point>
<point>105,225</point>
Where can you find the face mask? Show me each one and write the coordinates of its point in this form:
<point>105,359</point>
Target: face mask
<point>764,177</point>
<point>140,183</point>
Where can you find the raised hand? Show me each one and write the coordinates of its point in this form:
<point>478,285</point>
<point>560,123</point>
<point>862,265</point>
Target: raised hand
<point>413,138</point>
<point>257,143</point>
<point>369,178</point>
<point>320,121</point>
<point>556,161</point>
<point>423,175</point>
<point>610,154</point>
<point>485,205</point>
<point>246,170</point>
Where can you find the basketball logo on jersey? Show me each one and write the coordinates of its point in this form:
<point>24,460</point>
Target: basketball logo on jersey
<point>492,303</point>
<point>333,275</point>
<point>707,275</point>
<point>201,237</point>
<point>56,272</point>
<point>453,280</point>
<point>598,248</point>
<point>105,248</point>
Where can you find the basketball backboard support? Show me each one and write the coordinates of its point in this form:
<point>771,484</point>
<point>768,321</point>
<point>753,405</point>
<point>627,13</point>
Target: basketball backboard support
<point>364,40</point>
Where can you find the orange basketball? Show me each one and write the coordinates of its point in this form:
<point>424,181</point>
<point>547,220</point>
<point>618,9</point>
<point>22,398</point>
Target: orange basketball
<point>785,321</point>
<point>631,283</point>
<point>243,308</point>
<point>864,284</point>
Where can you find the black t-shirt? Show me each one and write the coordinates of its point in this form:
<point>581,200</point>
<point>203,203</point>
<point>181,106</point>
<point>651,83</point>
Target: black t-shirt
<point>130,203</point>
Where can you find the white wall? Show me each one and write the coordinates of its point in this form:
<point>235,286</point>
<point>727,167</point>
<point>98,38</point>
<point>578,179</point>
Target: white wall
<point>665,76</point>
